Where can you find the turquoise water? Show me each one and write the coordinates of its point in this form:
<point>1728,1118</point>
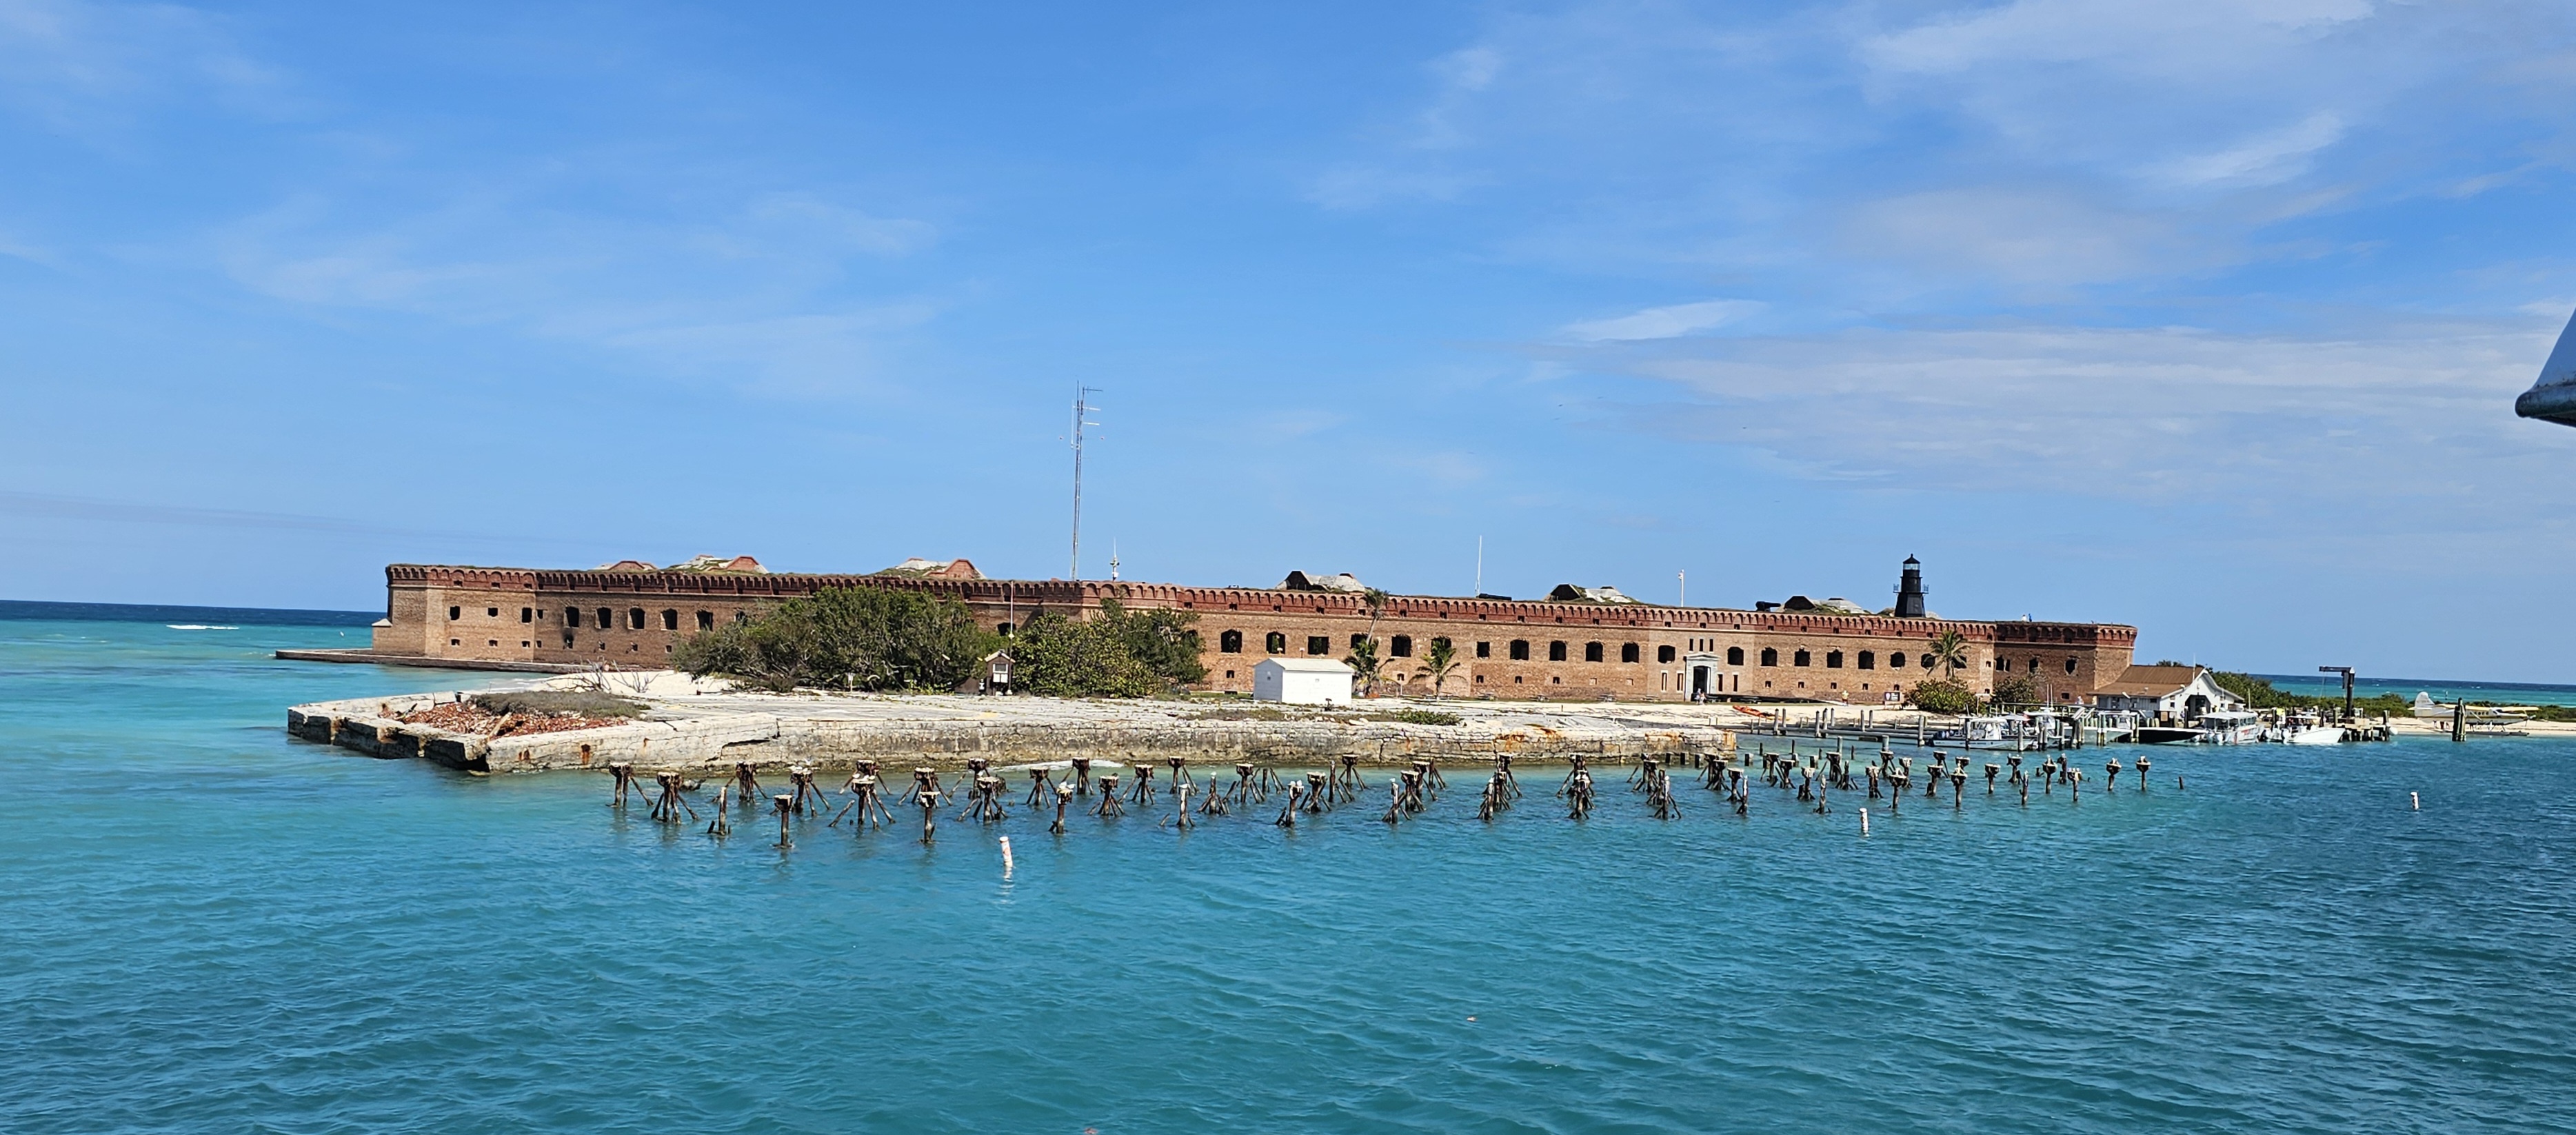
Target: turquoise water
<point>2486,693</point>
<point>207,926</point>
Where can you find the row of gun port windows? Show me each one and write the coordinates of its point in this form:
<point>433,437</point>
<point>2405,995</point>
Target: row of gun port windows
<point>1401,646</point>
<point>605,618</point>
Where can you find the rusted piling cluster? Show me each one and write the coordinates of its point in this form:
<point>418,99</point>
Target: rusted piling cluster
<point>984,790</point>
<point>865,798</point>
<point>1577,790</point>
<point>1412,791</point>
<point>1811,776</point>
<point>1656,783</point>
<point>1500,791</point>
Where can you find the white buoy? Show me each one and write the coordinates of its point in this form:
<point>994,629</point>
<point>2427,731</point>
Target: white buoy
<point>1864,821</point>
<point>2417,799</point>
<point>1006,857</point>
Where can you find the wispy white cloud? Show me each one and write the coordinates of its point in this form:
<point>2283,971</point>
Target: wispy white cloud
<point>748,296</point>
<point>804,220</point>
<point>1663,322</point>
<point>91,69</point>
<point>2076,143</point>
<point>2172,37</point>
<point>1366,186</point>
<point>2023,236</point>
<point>2241,423</point>
<point>2266,159</point>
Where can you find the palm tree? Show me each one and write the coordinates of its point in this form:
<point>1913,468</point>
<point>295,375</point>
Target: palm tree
<point>1438,662</point>
<point>1950,651</point>
<point>1363,662</point>
<point>1375,600</point>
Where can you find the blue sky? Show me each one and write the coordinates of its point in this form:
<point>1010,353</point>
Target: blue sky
<point>2203,316</point>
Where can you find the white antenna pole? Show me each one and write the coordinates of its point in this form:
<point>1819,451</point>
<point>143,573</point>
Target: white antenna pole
<point>1684,577</point>
<point>1081,409</point>
<point>1480,565</point>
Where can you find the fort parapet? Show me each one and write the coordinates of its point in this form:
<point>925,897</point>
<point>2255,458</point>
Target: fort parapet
<point>632,617</point>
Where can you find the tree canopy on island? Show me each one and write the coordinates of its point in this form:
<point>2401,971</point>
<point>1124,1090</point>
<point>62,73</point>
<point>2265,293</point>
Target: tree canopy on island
<point>1118,654</point>
<point>881,638</point>
<point>861,638</point>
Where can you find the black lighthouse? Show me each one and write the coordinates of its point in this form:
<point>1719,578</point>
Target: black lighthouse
<point>1909,590</point>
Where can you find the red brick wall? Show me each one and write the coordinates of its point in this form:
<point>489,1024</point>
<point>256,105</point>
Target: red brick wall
<point>420,597</point>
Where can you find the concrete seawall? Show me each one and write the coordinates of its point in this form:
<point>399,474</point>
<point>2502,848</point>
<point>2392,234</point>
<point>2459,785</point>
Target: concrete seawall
<point>712,734</point>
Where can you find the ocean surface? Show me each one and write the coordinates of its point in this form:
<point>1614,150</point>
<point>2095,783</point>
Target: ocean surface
<point>207,926</point>
<point>2478,693</point>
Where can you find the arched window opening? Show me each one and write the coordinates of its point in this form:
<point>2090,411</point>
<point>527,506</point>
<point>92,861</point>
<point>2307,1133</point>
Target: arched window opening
<point>707,621</point>
<point>1868,660</point>
<point>2070,665</point>
<point>1735,656</point>
<point>1556,651</point>
<point>1401,646</point>
<point>572,616</point>
<point>1770,656</point>
<point>1592,652</point>
<point>1319,644</point>
<point>1663,654</point>
<point>607,619</point>
<point>1520,650</point>
<point>1230,642</point>
<point>1627,652</point>
<point>670,620</point>
<point>1896,661</point>
<point>1833,660</point>
<point>635,618</point>
<point>1276,643</point>
<point>1802,658</point>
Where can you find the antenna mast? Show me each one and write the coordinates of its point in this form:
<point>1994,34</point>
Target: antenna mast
<point>1081,410</point>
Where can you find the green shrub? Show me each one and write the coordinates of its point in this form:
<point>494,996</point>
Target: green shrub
<point>1414,717</point>
<point>1117,654</point>
<point>1943,695</point>
<point>1079,658</point>
<point>1160,638</point>
<point>866,638</point>
<point>2019,689</point>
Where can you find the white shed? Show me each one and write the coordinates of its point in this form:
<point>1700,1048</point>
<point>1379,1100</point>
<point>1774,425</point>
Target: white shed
<point>1304,681</point>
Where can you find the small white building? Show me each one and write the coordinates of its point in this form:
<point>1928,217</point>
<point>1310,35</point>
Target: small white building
<point>2182,693</point>
<point>1303,681</point>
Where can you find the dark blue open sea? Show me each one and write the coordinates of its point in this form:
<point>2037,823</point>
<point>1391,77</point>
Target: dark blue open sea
<point>206,926</point>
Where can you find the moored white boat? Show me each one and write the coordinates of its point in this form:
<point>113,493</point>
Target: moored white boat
<point>2229,727</point>
<point>2316,735</point>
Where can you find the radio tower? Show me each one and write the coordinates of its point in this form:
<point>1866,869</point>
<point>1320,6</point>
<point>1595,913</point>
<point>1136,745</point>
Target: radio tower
<point>1081,411</point>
